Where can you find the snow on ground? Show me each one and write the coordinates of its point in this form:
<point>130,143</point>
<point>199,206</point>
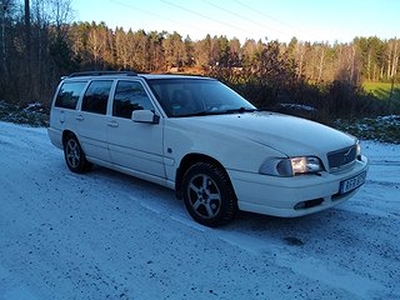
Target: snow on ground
<point>104,235</point>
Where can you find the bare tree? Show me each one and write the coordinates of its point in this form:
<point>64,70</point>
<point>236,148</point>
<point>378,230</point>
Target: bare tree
<point>27,18</point>
<point>5,5</point>
<point>393,58</point>
<point>60,11</point>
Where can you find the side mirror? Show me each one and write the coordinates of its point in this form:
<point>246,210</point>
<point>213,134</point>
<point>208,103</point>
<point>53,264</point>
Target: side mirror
<point>145,116</point>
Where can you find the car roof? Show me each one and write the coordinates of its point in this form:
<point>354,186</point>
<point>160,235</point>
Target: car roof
<point>127,74</point>
<point>171,76</point>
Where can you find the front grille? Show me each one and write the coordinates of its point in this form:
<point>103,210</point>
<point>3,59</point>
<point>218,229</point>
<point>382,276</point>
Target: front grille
<point>342,157</point>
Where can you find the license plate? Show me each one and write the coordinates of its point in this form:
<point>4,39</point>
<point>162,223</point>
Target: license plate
<point>352,183</point>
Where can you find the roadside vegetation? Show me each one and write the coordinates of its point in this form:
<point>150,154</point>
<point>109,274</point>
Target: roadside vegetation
<point>381,129</point>
<point>356,82</point>
<point>32,114</point>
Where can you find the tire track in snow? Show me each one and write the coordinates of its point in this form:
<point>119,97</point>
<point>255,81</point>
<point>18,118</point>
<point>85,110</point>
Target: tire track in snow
<point>384,162</point>
<point>310,267</point>
<point>147,245</point>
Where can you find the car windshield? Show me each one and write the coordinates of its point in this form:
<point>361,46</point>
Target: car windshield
<point>185,97</point>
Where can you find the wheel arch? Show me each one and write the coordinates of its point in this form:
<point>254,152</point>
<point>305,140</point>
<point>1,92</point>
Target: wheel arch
<point>66,133</point>
<point>189,160</point>
<point>83,164</point>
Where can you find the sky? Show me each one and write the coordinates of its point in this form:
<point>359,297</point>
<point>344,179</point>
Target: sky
<point>307,20</point>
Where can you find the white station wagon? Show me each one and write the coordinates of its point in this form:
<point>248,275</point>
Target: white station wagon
<point>197,136</point>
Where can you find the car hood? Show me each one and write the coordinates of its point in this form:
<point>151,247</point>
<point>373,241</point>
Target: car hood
<point>290,135</point>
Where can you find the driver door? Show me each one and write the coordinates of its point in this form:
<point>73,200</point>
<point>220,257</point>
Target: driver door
<point>132,145</point>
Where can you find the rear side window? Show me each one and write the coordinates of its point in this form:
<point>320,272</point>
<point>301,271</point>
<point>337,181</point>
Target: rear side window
<point>130,96</point>
<point>96,96</point>
<point>68,94</point>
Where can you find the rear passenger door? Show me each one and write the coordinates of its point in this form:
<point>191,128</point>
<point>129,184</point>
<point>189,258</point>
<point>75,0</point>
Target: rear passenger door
<point>136,146</point>
<point>91,120</point>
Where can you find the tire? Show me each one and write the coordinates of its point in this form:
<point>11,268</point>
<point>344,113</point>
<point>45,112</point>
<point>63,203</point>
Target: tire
<point>208,195</point>
<point>74,156</point>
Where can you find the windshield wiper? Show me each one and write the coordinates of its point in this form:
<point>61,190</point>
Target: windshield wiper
<point>200,113</point>
<point>240,110</point>
<point>216,112</point>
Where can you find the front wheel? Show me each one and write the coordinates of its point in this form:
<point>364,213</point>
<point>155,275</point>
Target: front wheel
<point>208,195</point>
<point>74,156</point>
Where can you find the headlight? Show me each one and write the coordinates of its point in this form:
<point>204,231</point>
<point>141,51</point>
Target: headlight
<point>358,150</point>
<point>291,166</point>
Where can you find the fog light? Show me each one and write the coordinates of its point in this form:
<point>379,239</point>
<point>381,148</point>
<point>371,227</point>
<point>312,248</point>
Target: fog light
<point>308,204</point>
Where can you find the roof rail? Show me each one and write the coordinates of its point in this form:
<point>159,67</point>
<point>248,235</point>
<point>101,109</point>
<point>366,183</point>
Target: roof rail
<point>102,73</point>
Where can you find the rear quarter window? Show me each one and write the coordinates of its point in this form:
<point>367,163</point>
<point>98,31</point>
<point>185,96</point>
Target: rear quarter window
<point>69,93</point>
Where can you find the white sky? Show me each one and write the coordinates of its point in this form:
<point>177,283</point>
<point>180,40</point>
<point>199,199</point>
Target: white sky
<point>308,20</point>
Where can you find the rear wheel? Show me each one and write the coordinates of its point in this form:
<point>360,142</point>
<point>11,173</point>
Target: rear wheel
<point>74,156</point>
<point>208,195</point>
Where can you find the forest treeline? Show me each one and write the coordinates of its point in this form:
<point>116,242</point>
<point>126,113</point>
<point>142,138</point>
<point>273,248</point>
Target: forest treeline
<point>40,43</point>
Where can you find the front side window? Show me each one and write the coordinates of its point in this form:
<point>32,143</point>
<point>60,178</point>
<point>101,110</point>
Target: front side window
<point>130,96</point>
<point>69,93</point>
<point>96,96</point>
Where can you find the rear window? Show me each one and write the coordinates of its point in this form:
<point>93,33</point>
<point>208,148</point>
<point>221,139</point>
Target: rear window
<point>69,93</point>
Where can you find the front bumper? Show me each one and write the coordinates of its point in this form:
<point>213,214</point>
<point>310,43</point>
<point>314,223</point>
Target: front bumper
<point>293,196</point>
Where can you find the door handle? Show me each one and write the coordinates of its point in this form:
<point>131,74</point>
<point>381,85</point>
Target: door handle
<point>79,118</point>
<point>113,124</point>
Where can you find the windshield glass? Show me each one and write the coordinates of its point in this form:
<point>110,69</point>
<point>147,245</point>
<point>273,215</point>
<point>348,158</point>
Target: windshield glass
<point>185,97</point>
